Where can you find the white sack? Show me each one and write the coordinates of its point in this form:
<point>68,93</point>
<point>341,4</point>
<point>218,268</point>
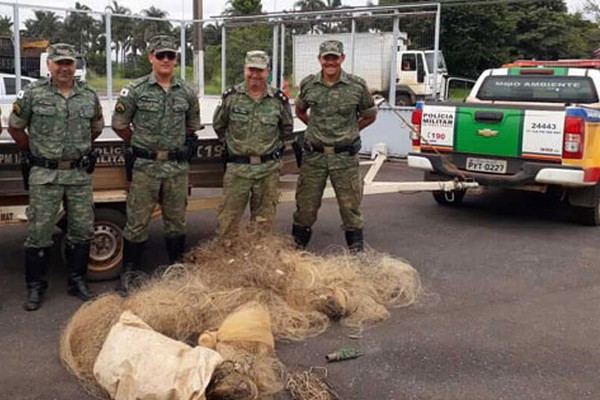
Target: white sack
<point>138,363</point>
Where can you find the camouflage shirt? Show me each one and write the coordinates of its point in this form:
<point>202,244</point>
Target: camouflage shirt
<point>252,127</point>
<point>160,119</point>
<point>335,109</point>
<point>59,127</point>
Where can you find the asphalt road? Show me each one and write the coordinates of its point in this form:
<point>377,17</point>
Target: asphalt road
<point>509,312</point>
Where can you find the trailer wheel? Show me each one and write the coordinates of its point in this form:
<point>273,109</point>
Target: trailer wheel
<point>453,198</point>
<point>106,250</point>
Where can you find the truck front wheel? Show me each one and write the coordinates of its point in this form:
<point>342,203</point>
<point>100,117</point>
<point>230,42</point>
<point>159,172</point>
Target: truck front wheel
<point>403,100</point>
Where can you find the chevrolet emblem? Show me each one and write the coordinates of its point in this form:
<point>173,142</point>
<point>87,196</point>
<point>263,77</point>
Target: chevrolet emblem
<point>487,133</point>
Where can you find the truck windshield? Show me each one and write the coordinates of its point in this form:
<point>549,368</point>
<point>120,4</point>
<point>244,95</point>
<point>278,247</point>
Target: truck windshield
<point>441,61</point>
<point>539,88</point>
<point>80,63</point>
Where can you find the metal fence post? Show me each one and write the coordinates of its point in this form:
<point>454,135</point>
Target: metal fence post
<point>282,68</point>
<point>436,49</point>
<point>275,67</point>
<point>394,66</point>
<point>17,46</point>
<point>223,53</point>
<point>109,89</point>
<point>353,45</point>
<point>183,49</point>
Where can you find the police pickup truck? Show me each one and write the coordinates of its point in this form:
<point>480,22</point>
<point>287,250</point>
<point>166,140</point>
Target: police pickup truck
<point>531,125</point>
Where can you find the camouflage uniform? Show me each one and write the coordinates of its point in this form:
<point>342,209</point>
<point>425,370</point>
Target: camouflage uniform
<point>60,128</point>
<point>334,113</point>
<point>250,129</point>
<point>160,120</point>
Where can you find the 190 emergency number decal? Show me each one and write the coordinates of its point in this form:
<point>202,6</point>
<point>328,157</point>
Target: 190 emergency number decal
<point>437,126</point>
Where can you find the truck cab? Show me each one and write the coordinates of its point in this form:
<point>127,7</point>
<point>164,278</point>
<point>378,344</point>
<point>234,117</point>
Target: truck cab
<point>417,77</point>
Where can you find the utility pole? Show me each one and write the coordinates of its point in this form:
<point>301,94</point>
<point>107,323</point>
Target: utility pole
<point>198,47</point>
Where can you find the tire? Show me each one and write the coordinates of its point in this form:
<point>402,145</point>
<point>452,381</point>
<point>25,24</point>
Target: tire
<point>585,205</point>
<point>589,216</point>
<point>106,251</point>
<point>403,100</point>
<point>453,198</point>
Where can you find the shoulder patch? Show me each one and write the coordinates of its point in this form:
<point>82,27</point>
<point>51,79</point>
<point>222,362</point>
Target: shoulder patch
<point>120,107</point>
<point>20,94</point>
<point>124,92</point>
<point>16,109</point>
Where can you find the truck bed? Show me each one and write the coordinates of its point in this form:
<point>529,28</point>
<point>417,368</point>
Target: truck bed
<point>206,171</point>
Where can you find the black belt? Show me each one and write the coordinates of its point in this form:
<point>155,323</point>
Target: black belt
<point>319,148</point>
<point>160,155</point>
<point>56,164</point>
<point>254,160</point>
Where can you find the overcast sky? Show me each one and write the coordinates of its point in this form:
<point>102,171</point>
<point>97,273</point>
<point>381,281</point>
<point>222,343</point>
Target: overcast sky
<point>178,9</point>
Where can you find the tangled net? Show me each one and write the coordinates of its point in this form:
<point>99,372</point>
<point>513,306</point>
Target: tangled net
<point>302,292</point>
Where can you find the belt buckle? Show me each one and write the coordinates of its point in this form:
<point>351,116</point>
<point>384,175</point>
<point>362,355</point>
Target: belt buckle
<point>162,155</point>
<point>329,150</point>
<point>255,160</point>
<point>64,164</point>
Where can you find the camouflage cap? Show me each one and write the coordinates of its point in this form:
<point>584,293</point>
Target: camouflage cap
<point>257,59</point>
<point>331,47</point>
<point>160,43</point>
<point>62,51</point>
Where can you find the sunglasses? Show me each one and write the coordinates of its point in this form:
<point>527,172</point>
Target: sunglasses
<point>171,55</point>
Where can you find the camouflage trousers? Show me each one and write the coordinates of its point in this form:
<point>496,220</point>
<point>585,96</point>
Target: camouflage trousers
<point>145,192</point>
<point>43,209</point>
<point>262,193</point>
<point>343,171</point>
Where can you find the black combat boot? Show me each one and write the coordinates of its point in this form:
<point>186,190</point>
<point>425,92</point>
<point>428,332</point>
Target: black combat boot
<point>301,235</point>
<point>78,257</point>
<point>36,265</point>
<point>132,256</point>
<point>355,241</point>
<point>175,248</point>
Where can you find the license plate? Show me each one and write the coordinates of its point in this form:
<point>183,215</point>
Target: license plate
<point>486,165</point>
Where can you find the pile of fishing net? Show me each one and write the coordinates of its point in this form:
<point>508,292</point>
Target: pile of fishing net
<point>300,294</point>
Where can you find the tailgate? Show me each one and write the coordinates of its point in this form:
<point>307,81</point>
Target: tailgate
<point>494,131</point>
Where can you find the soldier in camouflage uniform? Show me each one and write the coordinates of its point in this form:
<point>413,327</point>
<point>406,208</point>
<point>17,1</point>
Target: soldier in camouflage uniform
<point>62,118</point>
<point>157,115</point>
<point>340,106</point>
<point>252,120</point>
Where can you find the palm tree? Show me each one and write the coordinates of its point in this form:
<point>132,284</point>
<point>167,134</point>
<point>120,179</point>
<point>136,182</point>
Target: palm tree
<point>6,26</point>
<point>121,28</point>
<point>154,27</point>
<point>80,29</point>
<point>310,5</point>
<point>45,25</point>
<point>243,7</point>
